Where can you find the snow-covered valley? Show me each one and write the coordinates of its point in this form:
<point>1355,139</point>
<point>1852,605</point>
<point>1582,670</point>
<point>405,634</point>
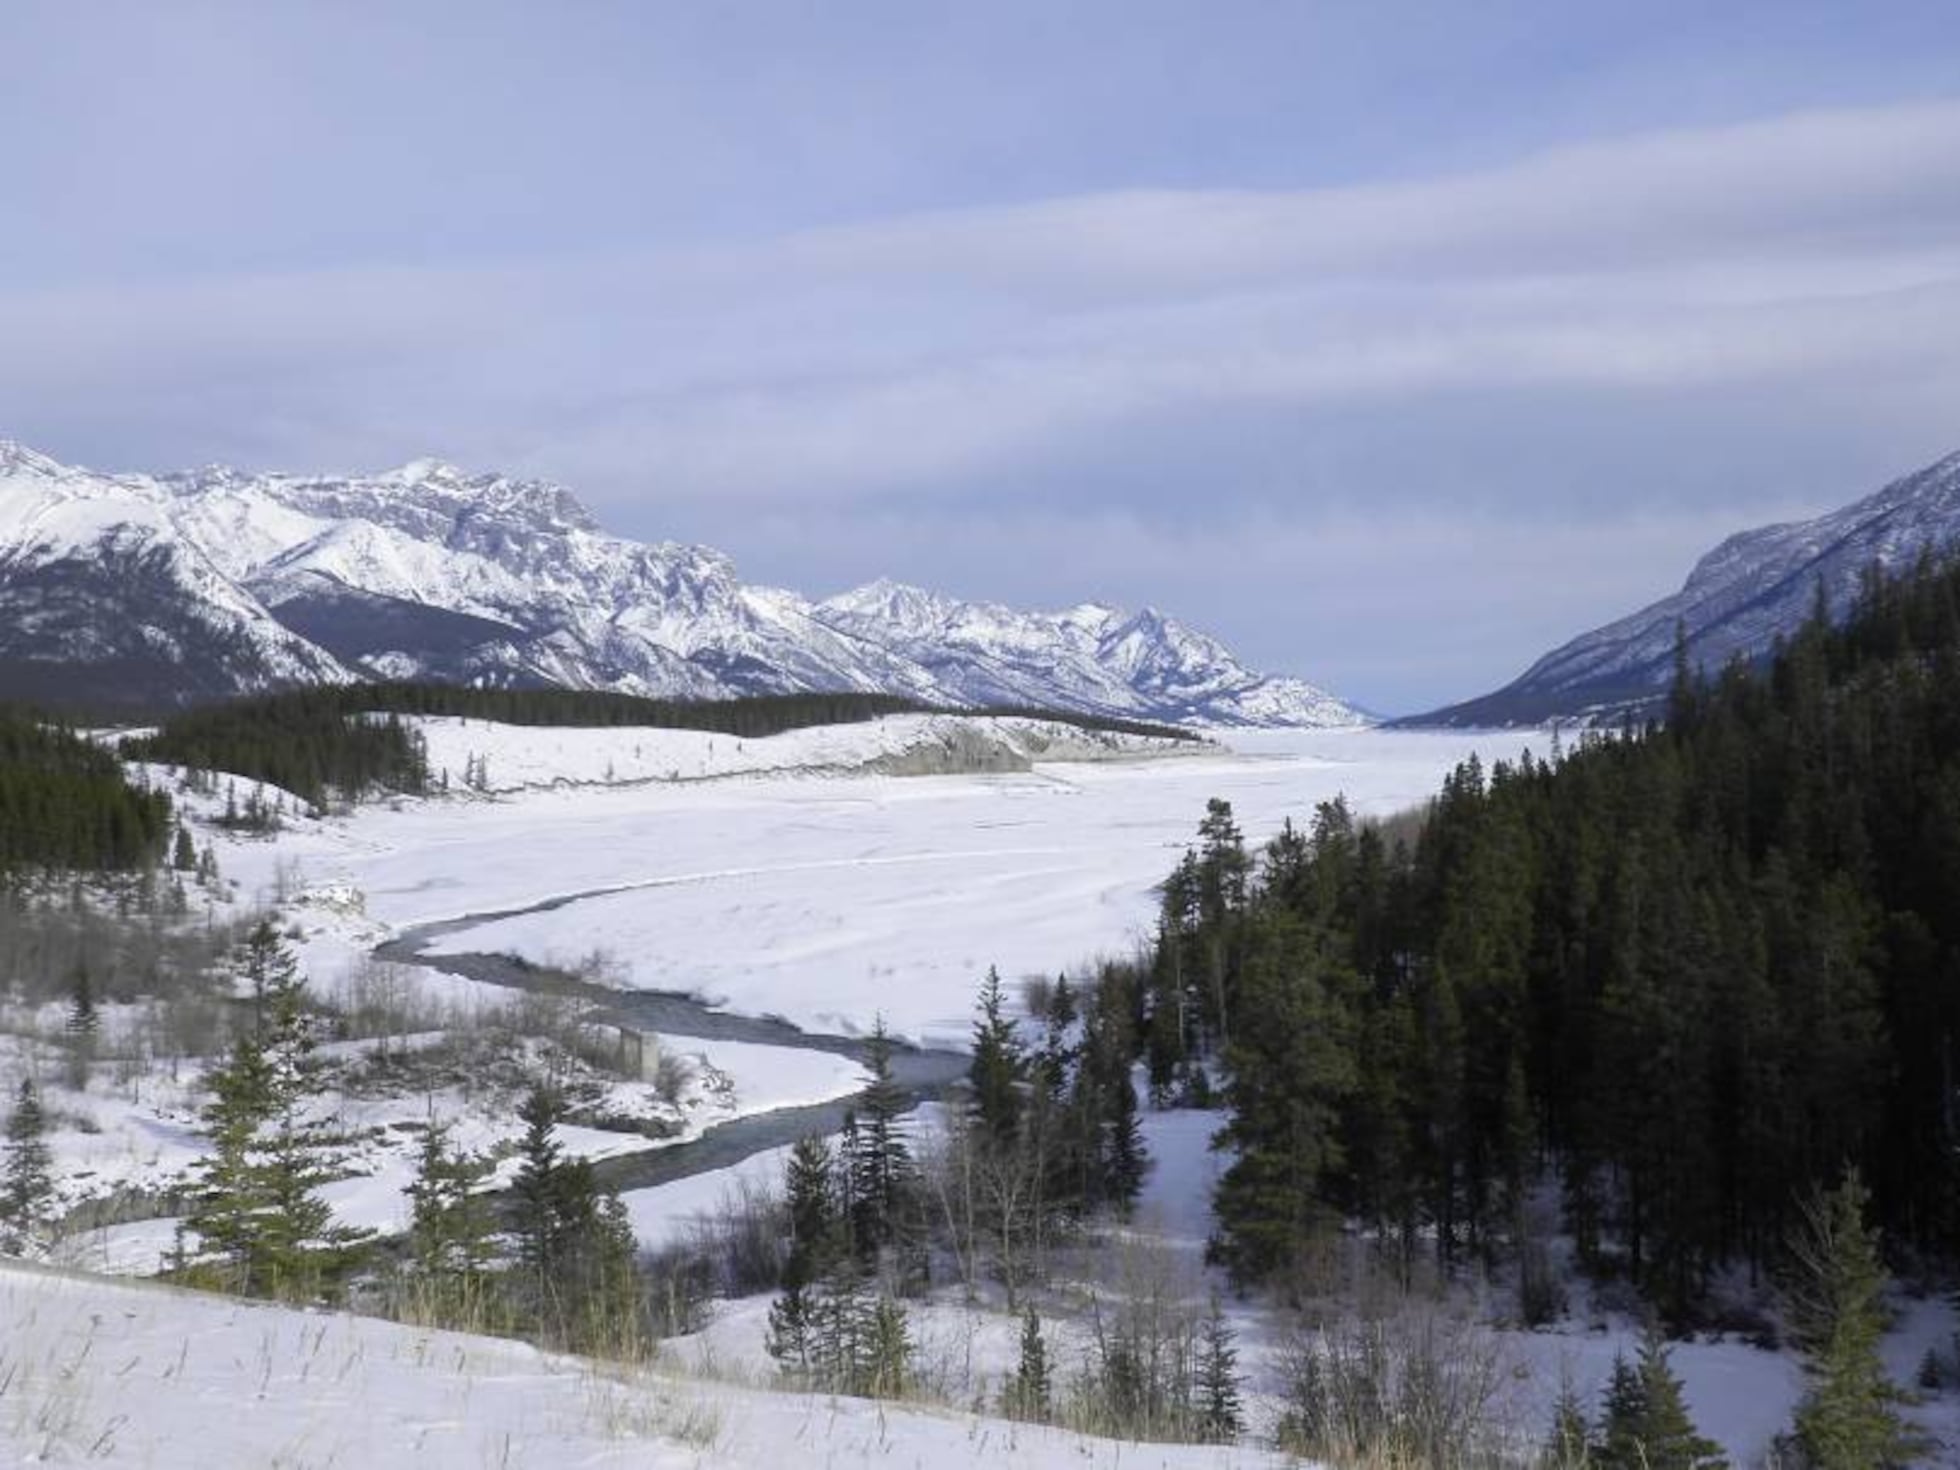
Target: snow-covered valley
<point>792,877</point>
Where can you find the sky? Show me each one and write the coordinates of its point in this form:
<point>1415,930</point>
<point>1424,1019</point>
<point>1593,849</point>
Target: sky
<point>1392,342</point>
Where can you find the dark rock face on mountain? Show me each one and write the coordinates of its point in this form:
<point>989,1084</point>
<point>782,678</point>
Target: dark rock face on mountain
<point>142,589</point>
<point>1740,597</point>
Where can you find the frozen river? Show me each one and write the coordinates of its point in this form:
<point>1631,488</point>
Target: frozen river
<point>830,900</point>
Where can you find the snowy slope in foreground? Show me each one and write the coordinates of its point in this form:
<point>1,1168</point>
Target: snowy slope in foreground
<point>99,1371</point>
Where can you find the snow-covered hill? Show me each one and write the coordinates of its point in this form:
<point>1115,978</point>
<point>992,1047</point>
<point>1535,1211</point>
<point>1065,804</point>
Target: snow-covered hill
<point>98,1370</point>
<point>218,580</point>
<point>1738,598</point>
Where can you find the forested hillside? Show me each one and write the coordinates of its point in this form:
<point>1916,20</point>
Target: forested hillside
<point>64,803</point>
<point>350,739</point>
<point>1686,974</point>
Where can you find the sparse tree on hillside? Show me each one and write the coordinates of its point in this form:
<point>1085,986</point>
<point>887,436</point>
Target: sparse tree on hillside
<point>1221,1412</point>
<point>26,1181</point>
<point>263,1227</point>
<point>1030,1394</point>
<point>450,1228</point>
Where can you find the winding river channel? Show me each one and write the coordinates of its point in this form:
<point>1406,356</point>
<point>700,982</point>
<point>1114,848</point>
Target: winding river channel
<point>922,1073</point>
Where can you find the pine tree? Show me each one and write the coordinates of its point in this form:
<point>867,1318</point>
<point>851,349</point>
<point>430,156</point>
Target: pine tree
<point>877,1161</point>
<point>578,1278</point>
<point>1646,1424</point>
<point>263,1226</point>
<point>999,1067</point>
<point>539,1223</point>
<point>811,1194</point>
<point>1221,1413</point>
<point>450,1228</point>
<point>1127,1159</point>
<point>888,1367</point>
<point>1567,1447</point>
<point>26,1181</point>
<point>266,963</point>
<point>791,1333</point>
<point>814,1248</point>
<point>1848,1419</point>
<point>1029,1394</point>
<point>83,1019</point>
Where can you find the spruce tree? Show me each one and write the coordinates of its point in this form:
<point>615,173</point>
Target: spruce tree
<point>877,1161</point>
<point>83,1020</point>
<point>540,1225</point>
<point>1127,1158</point>
<point>1568,1446</point>
<point>450,1227</point>
<point>999,1067</point>
<point>1646,1424</point>
<point>814,1247</point>
<point>578,1278</point>
<point>888,1358</point>
<point>1221,1413</point>
<point>1029,1394</point>
<point>266,964</point>
<point>263,1227</point>
<point>26,1180</point>
<point>1849,1416</point>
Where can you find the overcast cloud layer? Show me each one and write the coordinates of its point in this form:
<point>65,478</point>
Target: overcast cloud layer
<point>1393,350</point>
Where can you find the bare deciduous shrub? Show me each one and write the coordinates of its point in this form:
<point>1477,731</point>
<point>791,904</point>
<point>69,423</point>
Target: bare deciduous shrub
<point>1415,1388</point>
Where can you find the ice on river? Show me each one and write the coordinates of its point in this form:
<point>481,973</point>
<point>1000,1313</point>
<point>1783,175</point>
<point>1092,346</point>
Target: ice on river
<point>832,900</point>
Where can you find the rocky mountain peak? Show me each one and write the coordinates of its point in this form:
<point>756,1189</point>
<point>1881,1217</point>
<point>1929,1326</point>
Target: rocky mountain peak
<point>430,571</point>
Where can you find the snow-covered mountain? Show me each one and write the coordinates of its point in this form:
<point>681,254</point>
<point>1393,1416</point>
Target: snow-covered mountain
<point>142,587</point>
<point>1738,598</point>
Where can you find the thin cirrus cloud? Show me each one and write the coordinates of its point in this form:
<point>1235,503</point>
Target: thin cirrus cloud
<point>1686,330</point>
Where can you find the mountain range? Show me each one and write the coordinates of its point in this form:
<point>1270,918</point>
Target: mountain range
<point>1738,599</point>
<point>141,590</point>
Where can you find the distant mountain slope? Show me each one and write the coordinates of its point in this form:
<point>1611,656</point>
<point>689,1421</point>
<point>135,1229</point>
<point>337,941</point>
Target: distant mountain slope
<point>135,588</point>
<point>1736,601</point>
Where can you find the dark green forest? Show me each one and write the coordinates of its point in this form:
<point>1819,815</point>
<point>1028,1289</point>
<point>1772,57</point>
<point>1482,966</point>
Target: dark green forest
<point>65,805</point>
<point>348,739</point>
<point>1683,974</point>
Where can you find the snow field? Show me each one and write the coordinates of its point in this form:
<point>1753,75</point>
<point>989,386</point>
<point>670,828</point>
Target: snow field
<point>522,757</point>
<point>92,1370</point>
<point>830,902</point>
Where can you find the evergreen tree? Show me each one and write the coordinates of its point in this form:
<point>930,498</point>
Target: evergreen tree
<point>814,1248</point>
<point>578,1277</point>
<point>1029,1394</point>
<point>888,1359</point>
<point>1646,1425</point>
<point>544,1197</point>
<point>1568,1447</point>
<point>1849,1417</point>
<point>83,1020</point>
<point>999,1067</point>
<point>877,1161</point>
<point>263,1227</point>
<point>26,1180</point>
<point>266,964</point>
<point>1127,1157</point>
<point>450,1228</point>
<point>1290,1076</point>
<point>1221,1414</point>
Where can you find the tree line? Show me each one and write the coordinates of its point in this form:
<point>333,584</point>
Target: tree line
<point>348,740</point>
<point>65,803</point>
<point>1690,973</point>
